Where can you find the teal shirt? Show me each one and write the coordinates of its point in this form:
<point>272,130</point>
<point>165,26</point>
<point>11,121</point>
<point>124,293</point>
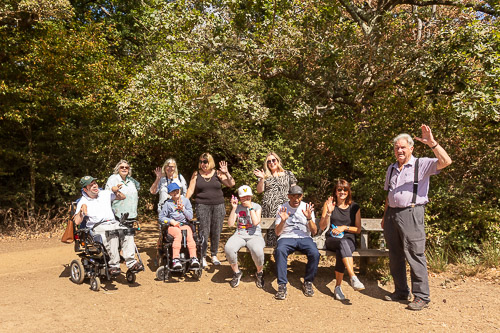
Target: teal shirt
<point>129,188</point>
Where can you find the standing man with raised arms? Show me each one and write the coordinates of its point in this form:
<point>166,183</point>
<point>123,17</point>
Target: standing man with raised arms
<point>407,185</point>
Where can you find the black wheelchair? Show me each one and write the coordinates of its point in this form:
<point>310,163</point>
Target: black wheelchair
<point>164,254</point>
<point>94,258</point>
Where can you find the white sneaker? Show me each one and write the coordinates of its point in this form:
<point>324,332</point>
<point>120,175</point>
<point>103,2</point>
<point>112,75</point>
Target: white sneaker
<point>215,261</point>
<point>205,262</point>
<point>356,284</point>
<point>339,294</point>
<point>176,264</point>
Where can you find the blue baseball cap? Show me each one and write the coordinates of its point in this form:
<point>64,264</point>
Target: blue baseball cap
<point>172,187</point>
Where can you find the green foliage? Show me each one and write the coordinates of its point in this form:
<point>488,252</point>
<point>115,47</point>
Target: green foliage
<point>84,84</point>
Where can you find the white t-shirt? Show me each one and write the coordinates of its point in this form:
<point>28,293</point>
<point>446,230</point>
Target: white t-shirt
<point>296,224</point>
<point>98,209</point>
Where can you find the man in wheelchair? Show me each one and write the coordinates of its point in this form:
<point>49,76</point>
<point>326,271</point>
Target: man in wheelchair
<point>176,214</point>
<point>95,205</point>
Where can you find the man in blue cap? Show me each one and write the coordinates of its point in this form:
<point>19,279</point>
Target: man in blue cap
<point>96,205</point>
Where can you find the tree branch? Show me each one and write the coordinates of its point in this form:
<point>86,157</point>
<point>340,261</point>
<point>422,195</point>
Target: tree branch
<point>453,3</point>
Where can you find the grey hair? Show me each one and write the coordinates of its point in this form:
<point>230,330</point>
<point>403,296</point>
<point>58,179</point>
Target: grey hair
<point>167,162</point>
<point>117,167</point>
<point>404,136</point>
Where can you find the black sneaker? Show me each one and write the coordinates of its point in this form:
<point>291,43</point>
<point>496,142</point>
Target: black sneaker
<point>115,271</point>
<point>137,267</point>
<point>394,297</point>
<point>259,279</point>
<point>281,294</point>
<point>418,304</point>
<point>307,288</point>
<point>235,281</point>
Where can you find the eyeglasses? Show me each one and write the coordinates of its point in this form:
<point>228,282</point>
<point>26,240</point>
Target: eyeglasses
<point>124,167</point>
<point>342,190</point>
<point>272,161</point>
<point>203,161</point>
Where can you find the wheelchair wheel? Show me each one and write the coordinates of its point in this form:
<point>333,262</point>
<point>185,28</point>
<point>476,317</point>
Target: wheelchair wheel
<point>77,272</point>
<point>95,283</point>
<point>130,277</point>
<point>197,274</point>
<point>162,274</point>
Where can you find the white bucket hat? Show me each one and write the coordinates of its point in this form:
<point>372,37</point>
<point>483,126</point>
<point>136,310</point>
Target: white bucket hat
<point>244,190</point>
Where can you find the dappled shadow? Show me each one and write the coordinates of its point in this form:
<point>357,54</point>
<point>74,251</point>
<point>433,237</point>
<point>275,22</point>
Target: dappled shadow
<point>222,273</point>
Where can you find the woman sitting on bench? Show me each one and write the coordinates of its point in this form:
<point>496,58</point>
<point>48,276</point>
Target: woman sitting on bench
<point>246,215</point>
<point>343,218</point>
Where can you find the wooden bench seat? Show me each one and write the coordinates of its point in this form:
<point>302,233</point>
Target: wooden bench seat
<point>364,252</point>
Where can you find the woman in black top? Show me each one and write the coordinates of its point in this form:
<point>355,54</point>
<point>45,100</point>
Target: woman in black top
<point>343,218</point>
<point>206,185</point>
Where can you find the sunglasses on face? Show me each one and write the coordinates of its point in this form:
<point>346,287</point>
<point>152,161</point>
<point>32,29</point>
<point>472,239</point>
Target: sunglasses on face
<point>203,161</point>
<point>124,167</point>
<point>342,190</point>
<point>272,161</point>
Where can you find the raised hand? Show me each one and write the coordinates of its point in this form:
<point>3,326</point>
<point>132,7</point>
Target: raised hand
<point>330,205</point>
<point>223,166</point>
<point>234,201</point>
<point>308,211</point>
<point>283,214</point>
<point>180,205</point>
<point>259,173</point>
<point>157,172</point>
<point>427,137</point>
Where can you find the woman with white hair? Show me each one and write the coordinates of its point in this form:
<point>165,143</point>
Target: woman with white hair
<point>122,174</point>
<point>165,176</point>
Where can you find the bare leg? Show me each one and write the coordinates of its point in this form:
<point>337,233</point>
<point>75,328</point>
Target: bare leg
<point>338,278</point>
<point>235,268</point>
<point>349,265</point>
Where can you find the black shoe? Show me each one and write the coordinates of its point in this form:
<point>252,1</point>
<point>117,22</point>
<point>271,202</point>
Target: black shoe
<point>281,294</point>
<point>137,267</point>
<point>394,297</point>
<point>259,279</point>
<point>418,304</point>
<point>235,281</point>
<point>307,288</point>
<point>115,271</point>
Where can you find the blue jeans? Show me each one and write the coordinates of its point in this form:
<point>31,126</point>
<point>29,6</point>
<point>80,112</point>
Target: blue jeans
<point>285,247</point>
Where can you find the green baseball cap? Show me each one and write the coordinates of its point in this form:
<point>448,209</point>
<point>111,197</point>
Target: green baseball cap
<point>85,181</point>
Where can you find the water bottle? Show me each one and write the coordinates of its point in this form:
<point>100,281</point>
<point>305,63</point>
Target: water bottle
<point>339,235</point>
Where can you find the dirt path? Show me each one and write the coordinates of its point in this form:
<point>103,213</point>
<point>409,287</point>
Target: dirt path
<point>36,295</point>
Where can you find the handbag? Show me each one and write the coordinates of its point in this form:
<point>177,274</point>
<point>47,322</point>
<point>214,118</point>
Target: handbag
<point>68,236</point>
<point>320,239</point>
